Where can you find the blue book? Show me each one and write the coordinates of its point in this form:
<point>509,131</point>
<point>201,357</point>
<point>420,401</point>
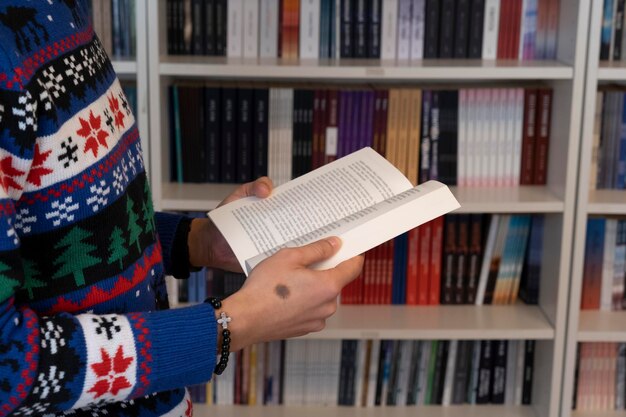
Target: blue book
<point>177,135</point>
<point>529,285</point>
<point>594,257</point>
<point>398,296</point>
<point>606,31</point>
<point>620,182</point>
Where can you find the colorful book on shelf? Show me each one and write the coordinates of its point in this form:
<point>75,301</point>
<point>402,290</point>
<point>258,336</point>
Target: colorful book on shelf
<point>366,226</point>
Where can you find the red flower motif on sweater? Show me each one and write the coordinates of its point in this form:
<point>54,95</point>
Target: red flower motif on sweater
<point>7,173</point>
<point>118,116</point>
<point>111,371</point>
<point>37,170</point>
<point>92,132</point>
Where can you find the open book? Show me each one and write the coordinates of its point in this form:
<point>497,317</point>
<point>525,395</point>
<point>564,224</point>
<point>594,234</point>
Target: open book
<point>361,198</point>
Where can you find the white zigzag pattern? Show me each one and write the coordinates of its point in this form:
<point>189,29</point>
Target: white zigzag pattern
<point>63,211</point>
<point>24,220</point>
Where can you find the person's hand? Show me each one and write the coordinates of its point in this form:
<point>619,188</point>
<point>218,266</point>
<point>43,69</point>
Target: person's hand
<point>284,298</point>
<point>207,246</point>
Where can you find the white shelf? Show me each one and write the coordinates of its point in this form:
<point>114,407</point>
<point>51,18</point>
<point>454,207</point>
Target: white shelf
<point>202,410</point>
<point>602,326</point>
<point>607,202</point>
<point>612,413</point>
<point>463,322</point>
<point>612,71</point>
<point>355,69</point>
<point>125,67</point>
<point>526,199</point>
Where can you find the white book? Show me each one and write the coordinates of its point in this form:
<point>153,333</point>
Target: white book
<point>234,31</point>
<point>491,145</point>
<point>334,374</point>
<point>379,203</point>
<point>462,139</point>
<point>251,28</point>
<point>519,372</point>
<point>518,132</point>
<point>310,29</point>
<point>472,388</point>
<point>422,371</point>
<point>508,137</point>
<point>373,373</point>
<point>171,284</point>
<point>484,107</point>
<point>272,143</point>
<point>606,289</point>
<point>268,28</point>
<point>489,249</point>
<point>418,25</point>
<point>309,375</point>
<point>490,29</point>
<point>471,134</point>
<point>403,52</point>
<point>504,141</point>
<point>285,136</point>
<point>360,369</point>
<point>389,33</point>
<point>290,385</point>
<point>511,368</point>
<point>450,371</point>
<point>524,23</point>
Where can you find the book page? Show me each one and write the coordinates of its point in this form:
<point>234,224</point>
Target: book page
<point>253,226</point>
<point>376,224</point>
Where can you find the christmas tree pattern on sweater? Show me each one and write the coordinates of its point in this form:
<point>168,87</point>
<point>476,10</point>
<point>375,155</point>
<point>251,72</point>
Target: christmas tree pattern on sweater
<point>81,268</point>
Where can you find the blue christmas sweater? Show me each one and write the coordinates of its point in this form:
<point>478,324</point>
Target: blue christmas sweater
<point>82,254</point>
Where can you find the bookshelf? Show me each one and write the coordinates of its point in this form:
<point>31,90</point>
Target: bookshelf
<point>591,325</point>
<point>545,323</point>
<point>136,70</point>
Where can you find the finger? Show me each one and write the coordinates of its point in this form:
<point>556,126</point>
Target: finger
<point>262,187</point>
<point>348,270</point>
<point>317,251</point>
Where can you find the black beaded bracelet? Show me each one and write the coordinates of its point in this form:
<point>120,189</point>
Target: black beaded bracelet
<point>223,321</point>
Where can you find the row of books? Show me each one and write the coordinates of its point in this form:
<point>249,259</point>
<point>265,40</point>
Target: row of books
<point>608,163</point>
<point>600,377</point>
<point>612,33</point>
<point>388,29</point>
<point>371,373</point>
<point>469,137</point>
<point>605,264</point>
<point>114,24</point>
<point>462,259</point>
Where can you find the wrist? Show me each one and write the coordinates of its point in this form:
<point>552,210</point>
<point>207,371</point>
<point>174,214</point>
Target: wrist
<point>196,242</point>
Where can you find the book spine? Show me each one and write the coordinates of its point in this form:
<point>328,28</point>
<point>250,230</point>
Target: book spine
<point>431,37</point>
<point>268,28</point>
<point>553,28</point>
<point>413,263</point>
<point>461,28</point>
<point>418,15</point>
<point>491,27</point>
<point>528,140</point>
<point>448,137</point>
<point>484,372</point>
<point>360,26</point>
<point>505,27</point>
<point>332,135</point>
<point>446,31</point>
<point>235,28</point>
<point>542,135</point>
<point>425,136</point>
<point>529,364</point>
<point>197,14</point>
<point>517,18</point>
<point>404,30</point>
<point>449,263</point>
<point>436,248</point>
<point>250,29</point>
<point>260,135</point>
<point>476,22</point>
<point>212,107</point>
<point>499,372</point>
<point>389,33</point>
<point>244,135</point>
<point>309,29</point>
<point>229,133</point>
<point>375,27</point>
<point>221,27</point>
<point>462,255</point>
<point>435,119</point>
<point>208,28</point>
<point>347,48</point>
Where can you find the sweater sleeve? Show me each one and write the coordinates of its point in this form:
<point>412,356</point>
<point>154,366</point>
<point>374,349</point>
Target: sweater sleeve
<point>52,363</point>
<point>173,231</point>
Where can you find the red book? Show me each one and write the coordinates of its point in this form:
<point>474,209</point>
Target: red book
<point>544,112</point>
<point>425,238</point>
<point>331,126</point>
<point>388,272</point>
<point>503,29</point>
<point>435,260</point>
<point>412,267</point>
<point>516,23</point>
<point>528,136</point>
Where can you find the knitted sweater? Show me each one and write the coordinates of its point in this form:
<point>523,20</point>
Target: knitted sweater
<point>82,255</point>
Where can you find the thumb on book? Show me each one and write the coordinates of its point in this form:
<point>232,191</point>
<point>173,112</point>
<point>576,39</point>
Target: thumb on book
<point>318,251</point>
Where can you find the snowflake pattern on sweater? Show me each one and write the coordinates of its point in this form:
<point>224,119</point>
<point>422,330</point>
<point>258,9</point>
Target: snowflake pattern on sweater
<point>81,268</point>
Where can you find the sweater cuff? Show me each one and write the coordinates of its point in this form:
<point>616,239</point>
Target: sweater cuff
<point>184,346</point>
<point>173,233</point>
